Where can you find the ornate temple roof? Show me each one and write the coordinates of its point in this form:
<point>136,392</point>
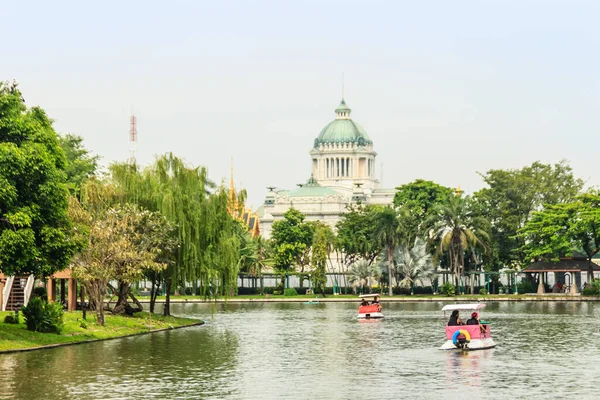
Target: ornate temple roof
<point>343,129</point>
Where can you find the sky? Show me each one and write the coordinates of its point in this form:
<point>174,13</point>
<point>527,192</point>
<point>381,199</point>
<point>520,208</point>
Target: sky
<point>445,89</point>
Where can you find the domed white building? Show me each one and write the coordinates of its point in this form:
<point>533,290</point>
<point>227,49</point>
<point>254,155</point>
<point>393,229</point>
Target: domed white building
<point>343,172</point>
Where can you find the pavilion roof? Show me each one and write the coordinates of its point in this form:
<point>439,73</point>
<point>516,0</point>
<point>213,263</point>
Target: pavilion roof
<point>572,265</point>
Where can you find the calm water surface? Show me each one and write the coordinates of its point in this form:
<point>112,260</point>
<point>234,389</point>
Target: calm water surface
<point>301,351</point>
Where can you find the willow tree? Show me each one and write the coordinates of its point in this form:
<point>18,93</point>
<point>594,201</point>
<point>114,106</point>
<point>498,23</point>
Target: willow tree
<point>208,237</point>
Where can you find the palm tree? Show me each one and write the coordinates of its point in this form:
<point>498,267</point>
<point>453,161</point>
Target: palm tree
<point>360,274</point>
<point>387,228</point>
<point>454,229</point>
<point>415,264</point>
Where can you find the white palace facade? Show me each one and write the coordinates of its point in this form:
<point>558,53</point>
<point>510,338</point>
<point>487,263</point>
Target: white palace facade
<point>343,172</point>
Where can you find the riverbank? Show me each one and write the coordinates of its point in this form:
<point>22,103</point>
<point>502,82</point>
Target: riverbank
<point>354,298</point>
<point>15,337</point>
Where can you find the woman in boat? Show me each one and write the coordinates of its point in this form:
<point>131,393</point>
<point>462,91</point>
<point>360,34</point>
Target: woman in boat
<point>474,320</point>
<point>364,302</point>
<point>454,319</point>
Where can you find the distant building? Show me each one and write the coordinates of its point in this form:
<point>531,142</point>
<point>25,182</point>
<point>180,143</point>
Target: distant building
<point>343,172</point>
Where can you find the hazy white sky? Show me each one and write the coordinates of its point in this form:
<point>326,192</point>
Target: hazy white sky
<point>444,88</point>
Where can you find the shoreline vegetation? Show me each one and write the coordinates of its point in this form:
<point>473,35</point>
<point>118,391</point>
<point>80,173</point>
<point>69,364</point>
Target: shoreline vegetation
<point>16,337</point>
<point>354,298</point>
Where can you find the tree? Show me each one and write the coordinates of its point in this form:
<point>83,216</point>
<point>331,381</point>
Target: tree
<point>387,228</point>
<point>81,165</point>
<point>150,232</point>
<point>415,264</point>
<point>356,235</point>
<point>113,251</point>
<point>512,197</point>
<point>319,257</point>
<point>454,230</point>
<point>292,239</point>
<point>34,226</point>
<point>360,274</point>
<point>560,229</point>
<point>420,198</point>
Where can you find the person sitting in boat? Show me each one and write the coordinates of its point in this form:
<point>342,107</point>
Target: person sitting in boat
<point>474,320</point>
<point>454,319</point>
<point>364,302</point>
<point>375,301</point>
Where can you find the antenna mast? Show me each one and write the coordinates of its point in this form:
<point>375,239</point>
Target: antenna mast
<point>132,138</point>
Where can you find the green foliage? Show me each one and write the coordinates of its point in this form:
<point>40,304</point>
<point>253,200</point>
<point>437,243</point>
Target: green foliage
<point>319,257</point>
<point>559,229</point>
<point>290,292</point>
<point>41,292</point>
<point>592,289</point>
<point>483,292</point>
<point>511,198</point>
<point>415,265</point>
<point>292,239</point>
<point>447,289</point>
<point>34,228</point>
<point>12,319</point>
<point>420,198</point>
<point>456,230</point>
<point>83,324</point>
<point>356,234</point>
<point>80,164</point>
<point>44,317</point>
<point>526,286</point>
<point>361,273</point>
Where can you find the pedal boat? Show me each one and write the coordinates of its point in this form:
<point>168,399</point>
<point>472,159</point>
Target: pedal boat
<point>371,311</point>
<point>467,337</point>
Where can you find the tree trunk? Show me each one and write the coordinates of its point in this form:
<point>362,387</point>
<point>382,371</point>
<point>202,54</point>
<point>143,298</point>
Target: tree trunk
<point>390,269</point>
<point>123,294</point>
<point>167,309</point>
<point>153,295</point>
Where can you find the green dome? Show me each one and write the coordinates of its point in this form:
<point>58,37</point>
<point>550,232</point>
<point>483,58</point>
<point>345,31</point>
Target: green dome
<point>343,129</point>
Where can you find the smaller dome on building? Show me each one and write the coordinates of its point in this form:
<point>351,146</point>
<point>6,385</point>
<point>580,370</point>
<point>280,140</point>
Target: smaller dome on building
<point>343,129</point>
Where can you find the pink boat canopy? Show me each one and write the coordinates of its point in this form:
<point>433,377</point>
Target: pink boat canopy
<point>473,306</point>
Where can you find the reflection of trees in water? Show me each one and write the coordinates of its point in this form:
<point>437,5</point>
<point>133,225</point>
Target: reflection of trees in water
<point>186,362</point>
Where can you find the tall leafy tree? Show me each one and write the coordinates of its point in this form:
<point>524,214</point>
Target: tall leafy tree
<point>292,239</point>
<point>387,233</point>
<point>319,257</point>
<point>513,195</point>
<point>415,264</point>
<point>420,198</point>
<point>81,165</point>
<point>560,229</point>
<point>356,234</point>
<point>35,231</point>
<point>454,229</point>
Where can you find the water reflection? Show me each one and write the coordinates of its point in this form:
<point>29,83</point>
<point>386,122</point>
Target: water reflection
<point>284,351</point>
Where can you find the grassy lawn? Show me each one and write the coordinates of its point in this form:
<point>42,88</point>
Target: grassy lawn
<point>18,337</point>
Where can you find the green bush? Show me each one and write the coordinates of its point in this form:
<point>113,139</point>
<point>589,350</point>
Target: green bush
<point>526,287</point>
<point>44,317</point>
<point>483,292</point>
<point>276,292</point>
<point>447,289</point>
<point>290,292</point>
<point>40,292</point>
<point>592,289</point>
<point>12,319</point>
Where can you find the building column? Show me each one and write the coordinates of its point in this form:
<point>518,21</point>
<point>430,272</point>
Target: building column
<point>63,291</point>
<point>72,295</point>
<point>51,289</point>
<point>1,294</point>
<point>541,288</point>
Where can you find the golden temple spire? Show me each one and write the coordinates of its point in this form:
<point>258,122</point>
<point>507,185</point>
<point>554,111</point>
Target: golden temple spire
<point>458,192</point>
<point>233,201</point>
